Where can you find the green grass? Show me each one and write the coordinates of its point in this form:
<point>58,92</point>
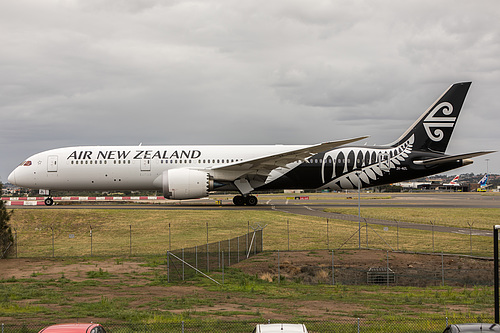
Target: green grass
<point>250,296</point>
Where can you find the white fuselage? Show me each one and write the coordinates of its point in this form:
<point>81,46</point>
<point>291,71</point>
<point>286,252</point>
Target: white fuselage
<point>127,167</point>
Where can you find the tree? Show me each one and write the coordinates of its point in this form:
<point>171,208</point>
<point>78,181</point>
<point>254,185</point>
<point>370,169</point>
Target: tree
<point>6,239</point>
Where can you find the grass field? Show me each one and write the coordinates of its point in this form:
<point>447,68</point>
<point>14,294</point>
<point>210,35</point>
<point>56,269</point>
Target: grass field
<point>123,289</point>
<point>478,218</point>
<point>149,232</point>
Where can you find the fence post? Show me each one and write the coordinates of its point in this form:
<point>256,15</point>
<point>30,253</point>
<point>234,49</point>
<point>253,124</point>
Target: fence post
<point>183,264</point>
<point>262,240</point>
<point>91,241</point>
<point>196,256</point>
<point>358,325</point>
<point>288,233</point>
<point>387,271</point>
<point>51,228</point>
<point>168,266</point>
<point>327,237</point>
<point>366,226</point>
<point>333,271</point>
<point>397,235</point>
<point>182,326</point>
<point>279,272</point>
<point>15,235</point>
<point>470,236</point>
<point>255,243</point>
<point>238,249</point>
<point>432,223</point>
<point>208,253</point>
<point>442,268</point>
<point>229,252</point>
<point>130,239</point>
<point>222,267</point>
<point>219,254</point>
<point>169,239</point>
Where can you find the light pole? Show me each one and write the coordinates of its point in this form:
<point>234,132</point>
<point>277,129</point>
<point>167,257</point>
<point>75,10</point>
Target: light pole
<point>359,209</point>
<point>487,160</point>
<point>495,273</point>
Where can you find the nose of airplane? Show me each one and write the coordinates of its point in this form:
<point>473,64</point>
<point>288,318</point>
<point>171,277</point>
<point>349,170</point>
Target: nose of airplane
<point>12,177</point>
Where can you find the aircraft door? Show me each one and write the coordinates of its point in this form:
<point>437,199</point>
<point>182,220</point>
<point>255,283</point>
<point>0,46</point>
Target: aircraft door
<point>52,163</point>
<point>145,165</point>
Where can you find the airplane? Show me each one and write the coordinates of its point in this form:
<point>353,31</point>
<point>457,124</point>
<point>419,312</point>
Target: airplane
<point>190,172</point>
<point>482,183</point>
<point>453,182</point>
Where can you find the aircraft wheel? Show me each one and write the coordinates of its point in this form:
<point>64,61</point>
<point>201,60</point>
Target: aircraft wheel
<point>49,202</point>
<point>239,200</point>
<point>251,200</point>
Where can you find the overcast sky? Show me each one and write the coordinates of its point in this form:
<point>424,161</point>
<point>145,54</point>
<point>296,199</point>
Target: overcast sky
<point>122,72</point>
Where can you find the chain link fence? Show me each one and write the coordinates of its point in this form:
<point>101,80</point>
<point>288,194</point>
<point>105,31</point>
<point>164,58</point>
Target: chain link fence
<point>354,325</point>
<point>383,268</point>
<point>135,240</point>
<point>185,263</point>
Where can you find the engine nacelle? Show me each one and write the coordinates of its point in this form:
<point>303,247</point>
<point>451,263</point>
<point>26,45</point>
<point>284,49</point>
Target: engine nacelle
<point>186,184</point>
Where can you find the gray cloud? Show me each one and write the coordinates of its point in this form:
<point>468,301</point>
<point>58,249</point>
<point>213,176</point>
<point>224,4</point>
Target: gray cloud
<point>79,72</point>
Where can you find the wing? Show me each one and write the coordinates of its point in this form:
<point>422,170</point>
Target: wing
<point>262,166</point>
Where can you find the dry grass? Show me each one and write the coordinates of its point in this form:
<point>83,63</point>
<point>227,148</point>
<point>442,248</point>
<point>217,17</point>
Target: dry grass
<point>479,218</point>
<point>143,232</point>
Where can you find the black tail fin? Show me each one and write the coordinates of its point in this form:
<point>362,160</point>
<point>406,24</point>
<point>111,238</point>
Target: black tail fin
<point>432,131</point>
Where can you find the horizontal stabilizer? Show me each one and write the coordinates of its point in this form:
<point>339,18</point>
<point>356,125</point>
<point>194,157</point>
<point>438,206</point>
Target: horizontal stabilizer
<point>451,158</point>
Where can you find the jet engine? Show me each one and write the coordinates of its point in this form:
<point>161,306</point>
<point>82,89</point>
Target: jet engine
<point>186,184</point>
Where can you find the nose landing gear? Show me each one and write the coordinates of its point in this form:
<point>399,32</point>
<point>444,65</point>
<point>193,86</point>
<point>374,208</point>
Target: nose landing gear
<point>248,200</point>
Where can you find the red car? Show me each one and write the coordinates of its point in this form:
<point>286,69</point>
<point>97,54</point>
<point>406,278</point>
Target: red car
<point>74,328</point>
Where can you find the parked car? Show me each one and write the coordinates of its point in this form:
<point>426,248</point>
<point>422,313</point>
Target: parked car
<point>74,328</point>
<point>280,328</point>
<point>472,328</point>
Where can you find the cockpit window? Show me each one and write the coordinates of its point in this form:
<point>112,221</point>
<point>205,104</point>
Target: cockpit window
<point>26,163</point>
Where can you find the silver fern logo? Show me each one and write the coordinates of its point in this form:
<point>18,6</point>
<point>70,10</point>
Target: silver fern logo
<point>433,123</point>
<point>368,165</point>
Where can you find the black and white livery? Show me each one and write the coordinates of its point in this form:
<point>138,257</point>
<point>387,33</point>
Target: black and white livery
<point>189,172</point>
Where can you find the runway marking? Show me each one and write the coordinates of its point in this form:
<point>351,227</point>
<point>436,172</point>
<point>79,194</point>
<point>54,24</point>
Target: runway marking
<point>473,233</point>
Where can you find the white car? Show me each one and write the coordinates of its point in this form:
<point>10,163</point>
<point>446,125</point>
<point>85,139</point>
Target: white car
<point>280,328</point>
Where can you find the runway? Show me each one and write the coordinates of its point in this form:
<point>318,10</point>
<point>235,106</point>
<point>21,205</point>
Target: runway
<point>315,205</point>
<point>285,201</point>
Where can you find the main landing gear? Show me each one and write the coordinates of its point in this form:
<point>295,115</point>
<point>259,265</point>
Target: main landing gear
<point>248,200</point>
<point>49,201</point>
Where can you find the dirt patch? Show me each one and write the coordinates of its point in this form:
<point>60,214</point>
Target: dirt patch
<point>351,267</point>
<point>143,286</point>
